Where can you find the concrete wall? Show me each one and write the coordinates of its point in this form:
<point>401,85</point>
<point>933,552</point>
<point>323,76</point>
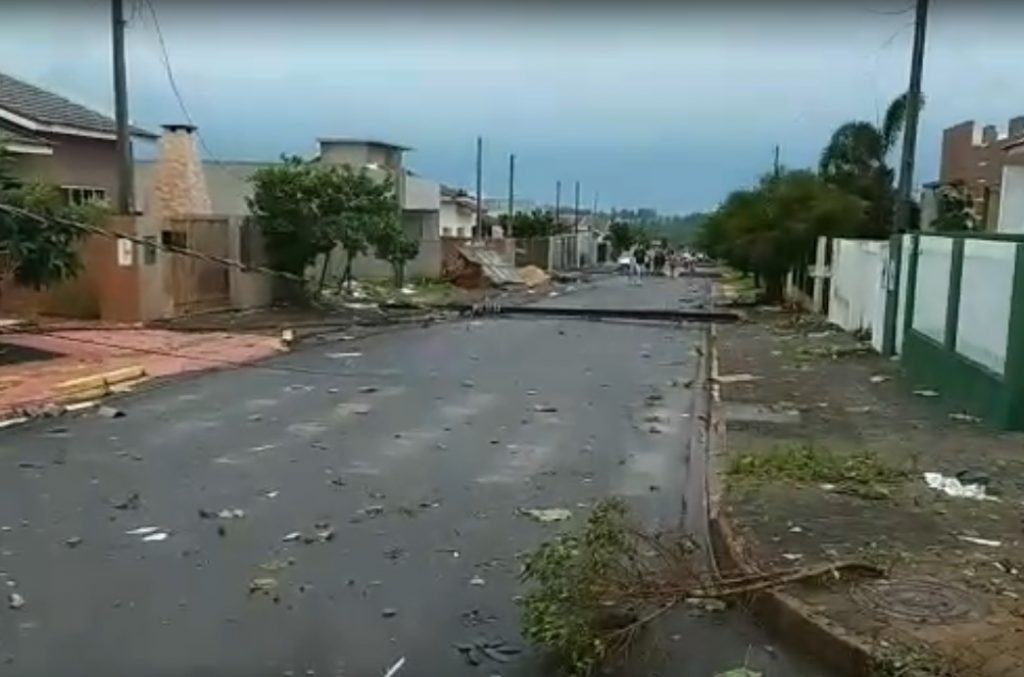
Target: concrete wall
<point>973,355</point>
<point>1011,208</point>
<point>931,288</point>
<point>421,194</point>
<point>857,287</point>
<point>76,161</point>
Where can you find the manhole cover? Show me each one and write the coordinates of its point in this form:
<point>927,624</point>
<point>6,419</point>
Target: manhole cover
<point>921,600</point>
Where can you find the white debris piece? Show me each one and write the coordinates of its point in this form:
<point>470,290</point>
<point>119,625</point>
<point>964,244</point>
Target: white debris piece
<point>142,531</point>
<point>158,536</point>
<point>879,378</point>
<point>981,541</point>
<point>343,356</point>
<point>548,514</point>
<point>15,601</point>
<point>737,378</point>
<point>951,486</point>
<point>926,393</point>
<point>393,670</point>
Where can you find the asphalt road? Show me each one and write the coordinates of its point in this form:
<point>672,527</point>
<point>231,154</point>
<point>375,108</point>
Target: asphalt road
<point>436,429</point>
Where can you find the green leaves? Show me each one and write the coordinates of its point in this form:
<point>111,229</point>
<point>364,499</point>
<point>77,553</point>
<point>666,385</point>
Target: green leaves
<point>306,209</point>
<point>42,254</point>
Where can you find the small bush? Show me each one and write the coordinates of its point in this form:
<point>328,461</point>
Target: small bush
<point>807,464</point>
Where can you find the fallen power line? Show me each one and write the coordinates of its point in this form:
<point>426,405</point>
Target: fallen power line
<point>663,314</point>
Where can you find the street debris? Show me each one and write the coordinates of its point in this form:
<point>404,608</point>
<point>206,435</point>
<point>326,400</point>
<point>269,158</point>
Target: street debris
<point>497,650</point>
<point>142,531</point>
<point>737,378</point>
<point>15,601</point>
<point>131,502</point>
<point>389,612</point>
<point>546,515</point>
<point>225,514</point>
<point>73,542</point>
<point>964,417</point>
<point>925,392</point>
<point>879,378</point>
<point>343,356</point>
<point>110,412</point>
<point>640,575</point>
<point>981,541</point>
<point>958,488</point>
<point>156,537</point>
<point>739,672</point>
<point>366,390</point>
<point>291,537</point>
<point>468,384</point>
<point>266,586</point>
<point>393,670</point>
<point>272,494</point>
<point>477,581</point>
<point>545,408</point>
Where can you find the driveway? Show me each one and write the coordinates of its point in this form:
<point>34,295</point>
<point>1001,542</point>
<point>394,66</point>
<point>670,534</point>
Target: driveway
<point>404,458</point>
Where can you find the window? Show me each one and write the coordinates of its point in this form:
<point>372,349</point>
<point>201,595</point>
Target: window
<point>174,238</point>
<point>80,195</point>
<point>149,250</point>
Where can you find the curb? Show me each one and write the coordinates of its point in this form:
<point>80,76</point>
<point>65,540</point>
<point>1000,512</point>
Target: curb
<point>782,614</point>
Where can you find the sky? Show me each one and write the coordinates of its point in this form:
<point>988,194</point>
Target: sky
<point>646,105</point>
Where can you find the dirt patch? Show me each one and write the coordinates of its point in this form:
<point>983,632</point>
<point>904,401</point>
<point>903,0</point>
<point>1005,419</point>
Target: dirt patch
<point>847,482</point>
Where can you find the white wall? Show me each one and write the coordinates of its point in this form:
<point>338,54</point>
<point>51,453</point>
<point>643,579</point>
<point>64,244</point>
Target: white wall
<point>456,220</point>
<point>986,288</point>
<point>421,194</point>
<point>1011,201</point>
<point>931,293</point>
<point>857,287</point>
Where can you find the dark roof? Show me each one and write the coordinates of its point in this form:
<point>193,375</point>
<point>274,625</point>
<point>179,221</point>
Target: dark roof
<point>362,142</point>
<point>46,108</point>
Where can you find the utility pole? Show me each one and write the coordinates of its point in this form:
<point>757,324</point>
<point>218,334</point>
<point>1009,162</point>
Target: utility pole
<point>125,189</point>
<point>576,210</point>
<point>906,180</point>
<point>776,168</point>
<point>478,228</point>
<point>511,191</point>
<point>558,201</point>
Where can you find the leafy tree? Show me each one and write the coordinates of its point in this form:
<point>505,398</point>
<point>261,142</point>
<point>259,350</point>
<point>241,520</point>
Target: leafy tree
<point>33,253</point>
<point>954,209</point>
<point>856,161</point>
<point>306,209</point>
<point>621,236</point>
<point>766,230</point>
<point>391,244</point>
<point>538,223</point>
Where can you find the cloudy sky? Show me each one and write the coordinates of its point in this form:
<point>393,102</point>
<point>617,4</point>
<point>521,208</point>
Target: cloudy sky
<point>645,105</point>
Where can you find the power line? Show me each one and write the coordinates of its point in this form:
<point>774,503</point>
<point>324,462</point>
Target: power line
<point>890,12</point>
<point>172,80</point>
<point>173,249</point>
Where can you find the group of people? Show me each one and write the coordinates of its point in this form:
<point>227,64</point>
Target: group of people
<point>660,261</point>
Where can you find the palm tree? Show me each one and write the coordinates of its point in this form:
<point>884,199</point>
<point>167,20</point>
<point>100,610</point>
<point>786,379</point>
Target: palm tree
<point>855,160</point>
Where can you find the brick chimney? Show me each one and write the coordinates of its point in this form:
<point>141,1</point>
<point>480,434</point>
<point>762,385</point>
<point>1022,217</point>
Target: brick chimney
<point>1016,126</point>
<point>179,185</point>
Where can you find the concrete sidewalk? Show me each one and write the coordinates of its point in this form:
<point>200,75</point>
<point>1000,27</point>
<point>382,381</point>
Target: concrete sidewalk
<point>825,450</point>
<point>28,386</point>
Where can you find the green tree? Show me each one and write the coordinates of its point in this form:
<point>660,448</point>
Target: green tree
<point>34,253</point>
<point>391,244</point>
<point>306,209</point>
<point>538,223</point>
<point>766,230</point>
<point>856,161</point>
<point>621,236</point>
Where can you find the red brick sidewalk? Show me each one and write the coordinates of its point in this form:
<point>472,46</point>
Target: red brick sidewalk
<point>86,352</point>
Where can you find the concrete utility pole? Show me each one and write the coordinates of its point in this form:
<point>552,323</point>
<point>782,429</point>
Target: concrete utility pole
<point>511,190</point>
<point>906,180</point>
<point>125,188</point>
<point>558,201</point>
<point>576,210</point>
<point>478,228</point>
<point>776,168</point>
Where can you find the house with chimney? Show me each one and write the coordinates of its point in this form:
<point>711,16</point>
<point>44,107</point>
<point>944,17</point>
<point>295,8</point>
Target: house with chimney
<point>55,140</point>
